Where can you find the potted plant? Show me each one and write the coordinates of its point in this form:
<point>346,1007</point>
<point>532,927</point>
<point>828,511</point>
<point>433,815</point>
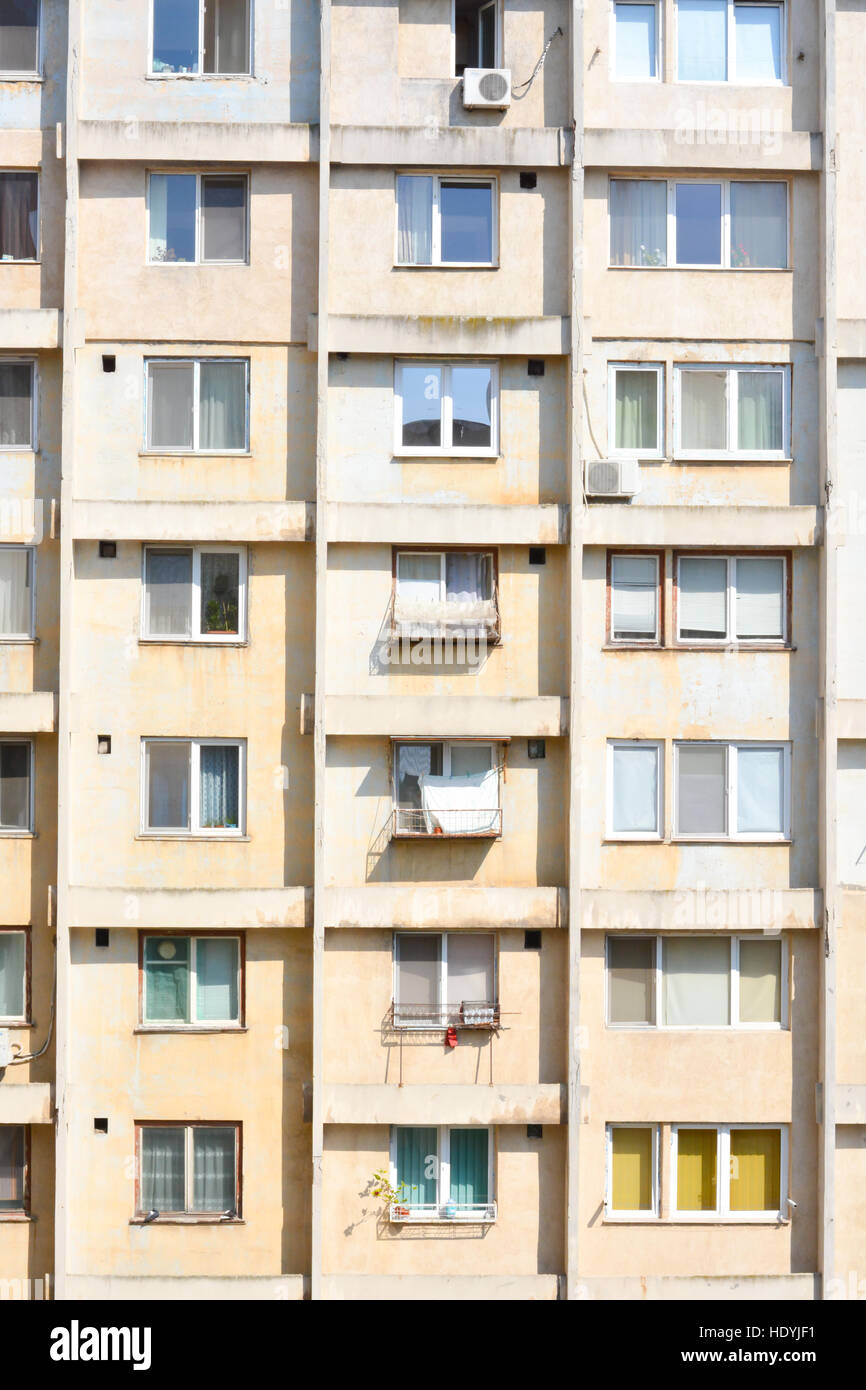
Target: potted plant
<point>393,1197</point>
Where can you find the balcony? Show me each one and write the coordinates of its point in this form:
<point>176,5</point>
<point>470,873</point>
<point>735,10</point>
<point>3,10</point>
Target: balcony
<point>446,823</point>
<point>469,1013</point>
<point>447,790</point>
<point>420,1213</point>
<point>473,622</point>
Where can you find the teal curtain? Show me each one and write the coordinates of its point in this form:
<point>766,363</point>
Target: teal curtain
<point>469,1166</point>
<point>418,1165</point>
<point>216,974</point>
<point>219,786</point>
<point>166,979</point>
<point>636,410</point>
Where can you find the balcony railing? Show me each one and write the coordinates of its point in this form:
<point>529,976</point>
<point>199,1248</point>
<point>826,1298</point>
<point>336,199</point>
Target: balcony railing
<point>475,621</point>
<point>408,1213</point>
<point>458,824</point>
<point>469,1013</point>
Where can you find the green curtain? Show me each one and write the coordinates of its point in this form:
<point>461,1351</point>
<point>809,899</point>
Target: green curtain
<point>418,1165</point>
<point>469,1166</point>
<point>166,979</point>
<point>636,410</point>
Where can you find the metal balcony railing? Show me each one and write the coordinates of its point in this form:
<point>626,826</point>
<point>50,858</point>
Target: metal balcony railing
<point>412,822</point>
<point>477,621</point>
<point>407,1213</point>
<point>469,1013</point>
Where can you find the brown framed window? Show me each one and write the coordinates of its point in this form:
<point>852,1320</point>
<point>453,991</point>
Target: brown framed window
<point>14,1170</point>
<point>14,975</point>
<point>739,600</point>
<point>188,1169</point>
<point>635,598</point>
<point>192,980</point>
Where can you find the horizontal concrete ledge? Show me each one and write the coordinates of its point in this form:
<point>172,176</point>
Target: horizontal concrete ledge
<point>688,909</point>
<point>236,908</point>
<point>261,142</point>
<point>446,1105</point>
<point>184,1288</point>
<point>480,716</point>
<point>623,524</point>
<point>29,713</point>
<point>30,328</point>
<point>385,334</point>
<point>446,907</point>
<point>432,523</point>
<point>455,1288</point>
<point>851,1105</point>
<point>851,338</point>
<point>693,145</point>
<point>851,719</point>
<point>539,147</point>
<point>27,1104</point>
<point>193,521</point>
<point>656,1288</point>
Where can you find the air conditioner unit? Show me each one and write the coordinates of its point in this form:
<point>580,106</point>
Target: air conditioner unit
<point>612,477</point>
<point>489,87</point>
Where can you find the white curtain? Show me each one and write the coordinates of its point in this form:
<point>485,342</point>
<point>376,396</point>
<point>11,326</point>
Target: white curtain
<point>701,774</point>
<point>703,588</point>
<point>162,1169</point>
<point>702,40</point>
<point>417,972</point>
<point>760,586</point>
<point>470,968</point>
<point>170,405</point>
<point>15,786</point>
<point>12,962</point>
<point>760,981</point>
<point>760,784</point>
<point>168,593</point>
<point>216,974</point>
<point>224,218</point>
<point>638,222</point>
<point>461,804</point>
<point>636,408</point>
<point>703,404</point>
<point>635,40</point>
<point>696,980</point>
<point>634,585</point>
<point>414,219</point>
<point>19,36</point>
<point>635,789</point>
<point>223,405</point>
<point>226,36</point>
<point>759,43</point>
<point>158,233</point>
<point>759,410</point>
<point>15,592</point>
<point>214,1186</point>
<point>759,231</point>
<point>168,771</point>
<point>16,405</point>
<point>631,990</point>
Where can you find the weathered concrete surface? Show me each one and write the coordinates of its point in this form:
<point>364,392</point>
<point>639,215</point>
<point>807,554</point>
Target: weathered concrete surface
<point>689,1288</point>
<point>466,716</point>
<point>184,1288</point>
<point>163,908</point>
<point>615,523</point>
<point>451,145</point>
<point>444,907</point>
<point>454,334</point>
<point>451,1105</point>
<point>28,329</point>
<point>690,909</point>
<point>30,1103</point>
<point>795,151</point>
<point>440,523</point>
<point>230,522</point>
<point>851,1105</point>
<point>399,1288</point>
<point>31,713</point>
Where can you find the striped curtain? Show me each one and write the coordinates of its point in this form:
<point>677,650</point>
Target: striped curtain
<point>469,1166</point>
<point>418,1165</point>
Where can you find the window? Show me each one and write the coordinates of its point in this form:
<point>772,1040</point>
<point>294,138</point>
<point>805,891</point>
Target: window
<point>19,215</point>
<point>729,1171</point>
<point>444,979</point>
<point>201,36</point>
<point>632,1170</point>
<point>445,220</point>
<point>477,35</point>
<point>731,412</point>
<point>193,786</point>
<point>447,408</point>
<point>636,400</point>
<point>189,1169</point>
<point>17,404</point>
<point>14,975</point>
<point>726,224</point>
<point>728,41</point>
<point>731,598</point>
<point>696,981</point>
<point>635,588</point>
<point>438,590</point>
<point>16,592</point>
<point>195,593</point>
<point>197,217</point>
<point>442,1174</point>
<point>446,789</point>
<point>199,406</point>
<point>635,796</point>
<point>191,980</point>
<point>14,1169</point>
<point>19,37</point>
<point>732,791</point>
<point>16,792</point>
<point>635,43</point>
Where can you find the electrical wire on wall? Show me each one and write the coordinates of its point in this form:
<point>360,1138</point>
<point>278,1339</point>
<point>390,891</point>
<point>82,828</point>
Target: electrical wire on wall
<point>517,86</point>
<point>31,1056</point>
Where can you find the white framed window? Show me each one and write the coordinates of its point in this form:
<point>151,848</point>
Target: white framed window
<point>436,590</point>
<point>442,1174</point>
<point>447,408</point>
<point>477,33</point>
<point>192,981</point>
<point>700,224</point>
<point>188,1169</point>
<point>737,41</point>
<point>635,599</point>
<point>14,975</point>
<point>632,1168</point>
<point>737,1172</point>
<point>16,785</point>
<point>194,37</point>
<point>727,599</point>
<point>444,979</point>
<point>197,405</point>
<point>19,215</point>
<point>635,789</point>
<point>447,788</point>
<point>18,396</point>
<point>19,39</point>
<point>732,791</point>
<point>194,593</point>
<point>732,412</point>
<point>193,786</point>
<point>636,408</point>
<point>697,982</point>
<point>17,592</point>
<point>197,218</point>
<point>446,220</point>
<point>635,41</point>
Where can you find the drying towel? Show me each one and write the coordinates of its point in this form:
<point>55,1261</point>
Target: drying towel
<point>461,805</point>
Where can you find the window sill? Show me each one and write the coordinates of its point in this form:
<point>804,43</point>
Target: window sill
<point>187,1028</point>
<point>690,1028</point>
<point>697,647</point>
<point>691,1219</point>
<point>19,641</point>
<point>21,77</point>
<point>19,450</point>
<point>183,836</point>
<point>3,262</point>
<point>192,642</point>
<point>200,77</point>
<point>16,1218</point>
<point>714,269</point>
<point>194,265</point>
<point>17,834</point>
<point>449,456</point>
<point>17,1025</point>
<point>450,265</point>
<point>719,460</point>
<point>690,840</point>
<point>188,1221</point>
<point>195,453</point>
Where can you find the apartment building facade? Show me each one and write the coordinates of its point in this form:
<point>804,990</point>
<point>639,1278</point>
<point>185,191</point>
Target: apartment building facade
<point>431,714</point>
